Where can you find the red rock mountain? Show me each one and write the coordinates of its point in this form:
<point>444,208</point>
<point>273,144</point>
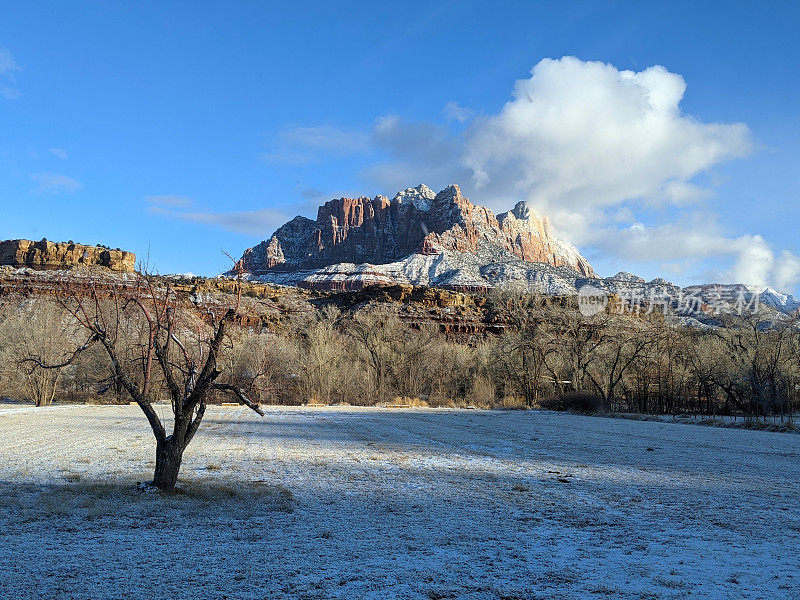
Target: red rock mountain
<point>415,221</point>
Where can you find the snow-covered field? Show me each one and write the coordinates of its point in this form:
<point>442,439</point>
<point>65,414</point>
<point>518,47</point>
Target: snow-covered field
<point>372,503</point>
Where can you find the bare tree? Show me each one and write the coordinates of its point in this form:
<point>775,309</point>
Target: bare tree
<point>451,368</point>
<point>757,350</point>
<point>374,333</point>
<point>577,340</point>
<point>411,375</point>
<point>42,330</point>
<point>623,345</point>
<point>523,351</point>
<point>158,346</point>
<point>702,362</point>
<point>321,357</point>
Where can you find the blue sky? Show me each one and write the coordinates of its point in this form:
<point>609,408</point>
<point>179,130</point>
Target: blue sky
<point>184,129</point>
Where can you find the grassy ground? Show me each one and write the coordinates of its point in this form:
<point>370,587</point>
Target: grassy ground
<point>371,503</point>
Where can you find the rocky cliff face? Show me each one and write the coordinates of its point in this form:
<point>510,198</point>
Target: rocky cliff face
<point>61,255</point>
<point>379,231</point>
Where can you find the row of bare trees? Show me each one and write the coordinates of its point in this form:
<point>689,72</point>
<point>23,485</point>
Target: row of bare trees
<point>550,355</point>
<point>747,364</point>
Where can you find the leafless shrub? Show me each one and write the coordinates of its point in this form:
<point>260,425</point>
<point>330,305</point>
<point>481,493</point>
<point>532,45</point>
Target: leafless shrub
<point>483,392</point>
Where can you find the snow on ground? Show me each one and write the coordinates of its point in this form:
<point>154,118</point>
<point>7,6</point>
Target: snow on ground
<point>372,503</point>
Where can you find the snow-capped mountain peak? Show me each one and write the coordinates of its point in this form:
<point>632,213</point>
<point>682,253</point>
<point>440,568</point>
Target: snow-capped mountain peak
<point>421,197</point>
<point>784,302</point>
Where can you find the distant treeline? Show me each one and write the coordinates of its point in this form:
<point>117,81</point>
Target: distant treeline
<point>550,356</point>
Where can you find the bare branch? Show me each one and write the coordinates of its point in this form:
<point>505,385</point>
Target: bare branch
<point>37,361</point>
<point>226,387</point>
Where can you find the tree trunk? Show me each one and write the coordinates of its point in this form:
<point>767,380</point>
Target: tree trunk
<point>168,463</point>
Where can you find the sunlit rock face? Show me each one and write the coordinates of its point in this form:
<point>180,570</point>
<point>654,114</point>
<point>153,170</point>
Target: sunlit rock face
<point>416,221</point>
<point>59,255</point>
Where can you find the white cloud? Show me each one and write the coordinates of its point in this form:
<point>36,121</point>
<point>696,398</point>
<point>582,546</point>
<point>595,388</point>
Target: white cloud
<point>300,146</point>
<point>453,111</point>
<point>579,134</point>
<point>666,242</point>
<point>576,136</point>
<point>786,273</point>
<point>9,93</point>
<point>680,248</point>
<point>59,153</point>
<point>421,152</point>
<point>7,63</point>
<point>755,262</point>
<point>7,68</point>
<point>250,222</point>
<point>53,183</point>
<point>681,193</point>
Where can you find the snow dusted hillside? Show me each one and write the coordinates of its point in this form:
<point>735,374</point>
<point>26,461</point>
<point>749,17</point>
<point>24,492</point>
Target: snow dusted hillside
<point>471,271</point>
<point>446,269</point>
<point>783,302</point>
<point>375,504</point>
<point>731,295</point>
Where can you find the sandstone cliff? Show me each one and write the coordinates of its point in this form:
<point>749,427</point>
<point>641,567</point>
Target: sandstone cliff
<point>416,221</point>
<point>61,255</point>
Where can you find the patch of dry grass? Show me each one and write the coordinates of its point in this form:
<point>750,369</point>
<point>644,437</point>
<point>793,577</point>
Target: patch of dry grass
<point>94,500</point>
<point>406,402</point>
